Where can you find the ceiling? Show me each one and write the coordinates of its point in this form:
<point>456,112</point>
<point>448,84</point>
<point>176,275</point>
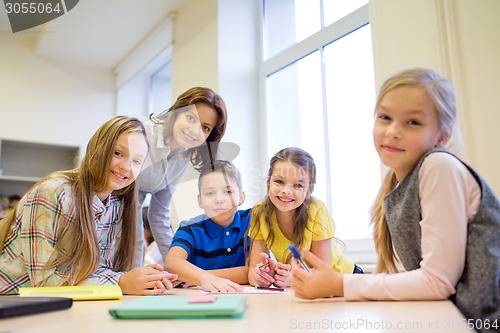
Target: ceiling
<point>96,33</point>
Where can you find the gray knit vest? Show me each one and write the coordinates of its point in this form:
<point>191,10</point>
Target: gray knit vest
<point>478,290</point>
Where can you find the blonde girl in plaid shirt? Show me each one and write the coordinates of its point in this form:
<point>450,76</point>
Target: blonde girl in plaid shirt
<point>78,227</point>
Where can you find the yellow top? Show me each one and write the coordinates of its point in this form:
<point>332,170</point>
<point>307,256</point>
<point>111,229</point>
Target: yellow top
<point>320,226</point>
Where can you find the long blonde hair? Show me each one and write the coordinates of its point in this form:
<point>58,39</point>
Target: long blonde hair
<point>78,246</point>
<point>441,93</point>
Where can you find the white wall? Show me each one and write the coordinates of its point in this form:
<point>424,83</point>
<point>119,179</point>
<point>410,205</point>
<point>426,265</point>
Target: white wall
<point>49,102</point>
<point>216,44</point>
<point>477,54</point>
<point>460,39</point>
<point>239,54</point>
<point>195,52</point>
<point>194,63</point>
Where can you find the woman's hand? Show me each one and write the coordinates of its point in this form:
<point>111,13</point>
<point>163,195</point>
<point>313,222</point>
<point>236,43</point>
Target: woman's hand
<point>322,281</point>
<point>147,280</point>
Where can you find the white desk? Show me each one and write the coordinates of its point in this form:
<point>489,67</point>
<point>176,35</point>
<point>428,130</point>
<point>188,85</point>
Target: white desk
<point>265,313</point>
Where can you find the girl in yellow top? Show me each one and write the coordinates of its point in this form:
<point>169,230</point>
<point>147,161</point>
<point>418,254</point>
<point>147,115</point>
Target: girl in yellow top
<point>289,215</point>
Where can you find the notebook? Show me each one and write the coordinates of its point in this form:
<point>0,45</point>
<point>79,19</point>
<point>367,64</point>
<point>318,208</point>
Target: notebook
<point>11,306</point>
<point>77,293</point>
<point>181,307</point>
<point>251,290</point>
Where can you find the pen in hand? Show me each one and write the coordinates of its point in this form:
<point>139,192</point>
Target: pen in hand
<point>296,255</point>
<point>263,265</point>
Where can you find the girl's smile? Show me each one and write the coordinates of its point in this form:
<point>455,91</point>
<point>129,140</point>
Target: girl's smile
<point>126,163</point>
<point>406,126</point>
<point>119,176</point>
<point>390,148</point>
<point>285,199</point>
<point>288,186</point>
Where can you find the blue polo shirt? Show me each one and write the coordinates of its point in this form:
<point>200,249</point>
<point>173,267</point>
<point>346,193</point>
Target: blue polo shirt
<point>210,246</point>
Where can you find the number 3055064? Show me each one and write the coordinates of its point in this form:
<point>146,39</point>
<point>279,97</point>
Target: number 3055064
<point>32,8</point>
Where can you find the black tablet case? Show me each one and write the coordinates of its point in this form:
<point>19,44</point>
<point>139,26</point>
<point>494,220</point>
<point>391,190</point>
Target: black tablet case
<point>12,306</point>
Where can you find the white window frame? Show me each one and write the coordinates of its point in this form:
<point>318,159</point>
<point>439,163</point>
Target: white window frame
<point>362,251</point>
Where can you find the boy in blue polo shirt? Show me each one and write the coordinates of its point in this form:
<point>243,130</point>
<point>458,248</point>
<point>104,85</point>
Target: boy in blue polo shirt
<point>211,253</point>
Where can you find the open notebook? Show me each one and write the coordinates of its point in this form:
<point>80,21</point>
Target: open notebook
<point>250,290</point>
<point>181,307</point>
<point>12,306</point>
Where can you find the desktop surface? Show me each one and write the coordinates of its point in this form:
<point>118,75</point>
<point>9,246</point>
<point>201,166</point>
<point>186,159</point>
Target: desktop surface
<point>273,312</point>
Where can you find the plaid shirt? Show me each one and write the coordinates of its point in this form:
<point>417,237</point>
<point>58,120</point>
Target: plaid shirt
<point>42,214</point>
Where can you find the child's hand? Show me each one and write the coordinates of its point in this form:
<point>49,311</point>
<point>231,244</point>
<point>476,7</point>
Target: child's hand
<point>180,284</point>
<point>282,274</point>
<point>322,281</point>
<point>169,279</point>
<point>264,275</point>
<point>218,284</point>
<point>148,280</point>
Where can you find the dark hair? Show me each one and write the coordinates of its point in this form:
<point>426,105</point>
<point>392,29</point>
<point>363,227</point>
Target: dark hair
<point>203,154</point>
<point>226,168</point>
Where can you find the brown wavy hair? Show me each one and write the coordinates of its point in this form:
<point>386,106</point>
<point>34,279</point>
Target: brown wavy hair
<point>200,155</point>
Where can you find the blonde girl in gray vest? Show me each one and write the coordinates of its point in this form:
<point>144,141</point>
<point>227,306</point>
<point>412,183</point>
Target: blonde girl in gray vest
<point>436,222</point>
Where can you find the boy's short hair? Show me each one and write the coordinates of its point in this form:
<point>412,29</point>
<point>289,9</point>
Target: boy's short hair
<point>226,168</point>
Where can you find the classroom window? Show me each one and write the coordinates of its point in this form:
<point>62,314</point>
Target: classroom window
<point>149,90</point>
<point>160,88</point>
<point>291,21</point>
<point>319,95</point>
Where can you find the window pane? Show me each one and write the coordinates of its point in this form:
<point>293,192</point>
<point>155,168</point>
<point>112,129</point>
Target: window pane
<point>160,96</point>
<point>295,113</point>
<point>355,167</point>
<point>149,91</point>
<point>333,10</point>
<point>288,22</point>
<point>131,98</point>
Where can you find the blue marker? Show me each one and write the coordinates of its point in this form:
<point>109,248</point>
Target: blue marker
<point>296,255</point>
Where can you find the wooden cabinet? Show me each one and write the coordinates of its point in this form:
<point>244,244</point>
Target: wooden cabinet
<point>24,163</point>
